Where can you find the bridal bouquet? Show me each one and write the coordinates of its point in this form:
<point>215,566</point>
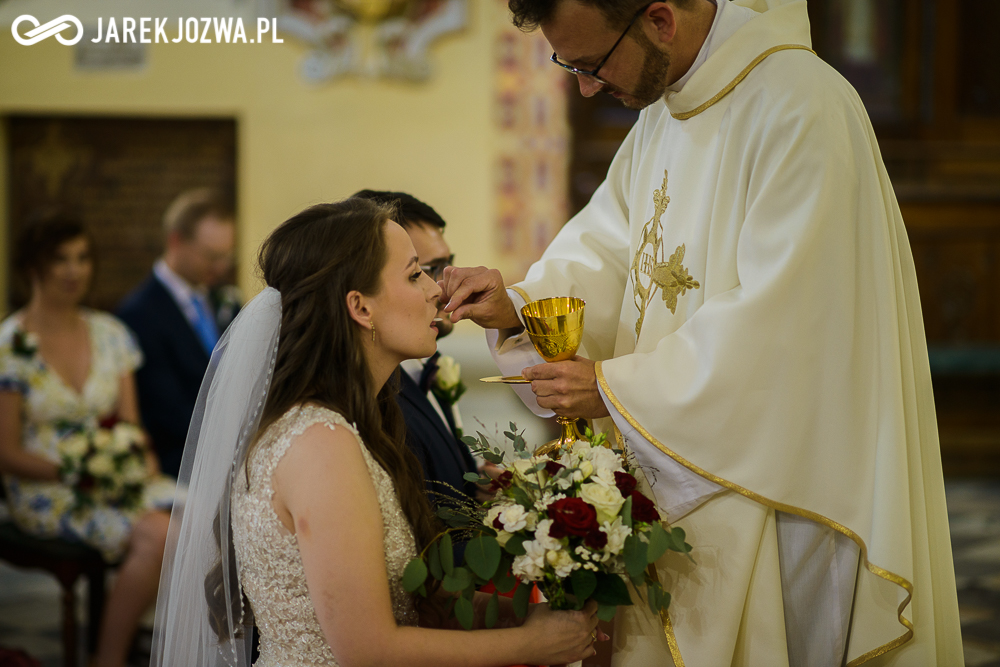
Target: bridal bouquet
<point>106,466</point>
<point>572,522</point>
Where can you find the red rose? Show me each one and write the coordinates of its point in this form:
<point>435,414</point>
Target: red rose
<point>552,468</point>
<point>504,481</point>
<point>87,483</point>
<point>596,539</point>
<point>626,483</point>
<point>643,509</point>
<point>497,523</point>
<point>571,516</point>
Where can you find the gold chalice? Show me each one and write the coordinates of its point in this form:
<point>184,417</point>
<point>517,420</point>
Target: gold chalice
<point>555,327</point>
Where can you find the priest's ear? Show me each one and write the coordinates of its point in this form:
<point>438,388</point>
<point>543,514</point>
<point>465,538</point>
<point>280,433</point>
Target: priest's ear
<point>662,17</point>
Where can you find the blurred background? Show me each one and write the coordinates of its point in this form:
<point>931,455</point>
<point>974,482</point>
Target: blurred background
<point>444,99</point>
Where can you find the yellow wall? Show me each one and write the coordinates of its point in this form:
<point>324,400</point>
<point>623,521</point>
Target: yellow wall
<point>300,143</point>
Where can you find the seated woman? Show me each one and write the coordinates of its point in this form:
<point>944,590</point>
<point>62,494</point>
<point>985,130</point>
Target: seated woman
<point>298,456</point>
<point>65,369</point>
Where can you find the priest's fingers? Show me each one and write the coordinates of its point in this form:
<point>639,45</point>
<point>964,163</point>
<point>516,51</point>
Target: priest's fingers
<point>478,294</point>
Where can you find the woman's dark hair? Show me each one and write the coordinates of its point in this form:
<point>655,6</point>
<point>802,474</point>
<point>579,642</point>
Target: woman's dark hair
<point>314,259</point>
<point>39,239</point>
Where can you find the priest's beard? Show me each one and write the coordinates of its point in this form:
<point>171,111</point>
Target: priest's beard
<point>652,77</point>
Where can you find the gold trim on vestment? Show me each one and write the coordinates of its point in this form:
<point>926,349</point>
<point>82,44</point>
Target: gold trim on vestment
<point>735,82</point>
<point>668,627</point>
<point>782,507</point>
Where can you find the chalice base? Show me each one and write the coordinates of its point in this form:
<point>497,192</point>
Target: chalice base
<point>569,434</point>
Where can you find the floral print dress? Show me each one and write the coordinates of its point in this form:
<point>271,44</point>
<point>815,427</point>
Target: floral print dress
<point>52,411</point>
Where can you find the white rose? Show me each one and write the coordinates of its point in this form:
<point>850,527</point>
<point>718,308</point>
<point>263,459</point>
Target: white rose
<point>100,465</point>
<point>616,532</point>
<point>520,467</point>
<point>493,513</point>
<point>561,562</point>
<point>514,518</point>
<point>74,446</point>
<point>542,536</point>
<point>606,500</point>
<point>449,373</point>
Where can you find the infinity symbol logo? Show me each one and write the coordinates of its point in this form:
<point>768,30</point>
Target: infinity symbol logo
<point>40,32</point>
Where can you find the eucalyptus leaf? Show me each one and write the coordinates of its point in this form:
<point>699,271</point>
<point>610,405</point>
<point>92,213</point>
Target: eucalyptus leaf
<point>659,542</point>
<point>496,459</point>
<point>611,590</point>
<point>521,598</point>
<point>513,427</point>
<point>521,497</point>
<point>482,555</point>
<point>626,512</point>
<point>458,580</point>
<point>447,554</point>
<point>584,582</point>
<point>464,613</point>
<point>505,582</point>
<point>414,575</point>
<point>492,611</point>
<point>635,556</point>
<point>515,545</point>
<point>469,441</point>
<point>434,561</point>
<point>606,612</point>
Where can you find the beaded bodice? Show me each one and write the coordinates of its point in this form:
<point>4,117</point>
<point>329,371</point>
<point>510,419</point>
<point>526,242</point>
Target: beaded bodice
<point>268,558</point>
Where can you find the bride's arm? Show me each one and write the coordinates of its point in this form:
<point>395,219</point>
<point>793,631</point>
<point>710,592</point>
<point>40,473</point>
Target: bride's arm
<point>323,492</point>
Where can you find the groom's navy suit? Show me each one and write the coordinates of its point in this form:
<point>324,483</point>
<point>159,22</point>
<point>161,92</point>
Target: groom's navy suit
<point>443,457</point>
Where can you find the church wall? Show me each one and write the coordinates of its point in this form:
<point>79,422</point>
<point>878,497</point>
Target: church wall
<point>299,143</point>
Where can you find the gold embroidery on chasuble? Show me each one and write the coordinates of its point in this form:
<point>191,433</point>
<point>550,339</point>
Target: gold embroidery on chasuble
<point>651,272</point>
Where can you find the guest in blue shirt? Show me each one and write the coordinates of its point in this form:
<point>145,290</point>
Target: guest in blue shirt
<point>178,314</point>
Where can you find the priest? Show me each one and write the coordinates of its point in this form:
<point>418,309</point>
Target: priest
<point>753,339</point>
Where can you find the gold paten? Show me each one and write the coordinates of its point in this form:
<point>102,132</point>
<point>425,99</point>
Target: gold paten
<point>373,10</point>
<point>505,379</point>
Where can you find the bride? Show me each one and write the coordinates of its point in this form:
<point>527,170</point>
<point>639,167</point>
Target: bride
<point>302,503</point>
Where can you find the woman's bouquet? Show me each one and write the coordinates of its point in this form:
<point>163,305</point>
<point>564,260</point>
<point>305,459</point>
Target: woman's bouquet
<point>572,522</point>
<point>104,465</point>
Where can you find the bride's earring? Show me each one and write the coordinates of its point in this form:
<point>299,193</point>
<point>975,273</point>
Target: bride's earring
<point>373,330</point>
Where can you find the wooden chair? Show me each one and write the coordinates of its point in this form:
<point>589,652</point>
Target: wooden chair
<point>67,562</point>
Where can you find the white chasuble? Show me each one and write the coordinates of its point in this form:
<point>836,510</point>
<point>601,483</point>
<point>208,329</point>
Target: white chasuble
<point>753,308</point>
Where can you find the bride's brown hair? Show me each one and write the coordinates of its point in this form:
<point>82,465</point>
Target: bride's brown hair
<point>314,259</point>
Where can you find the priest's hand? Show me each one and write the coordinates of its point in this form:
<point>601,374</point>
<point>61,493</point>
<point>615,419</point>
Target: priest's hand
<point>478,294</point>
<point>568,387</point>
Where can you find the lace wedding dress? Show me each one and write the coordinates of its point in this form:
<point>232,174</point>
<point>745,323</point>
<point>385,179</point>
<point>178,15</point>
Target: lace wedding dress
<point>268,557</point>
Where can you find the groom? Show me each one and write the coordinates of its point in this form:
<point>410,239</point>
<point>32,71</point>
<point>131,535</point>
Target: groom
<point>433,424</point>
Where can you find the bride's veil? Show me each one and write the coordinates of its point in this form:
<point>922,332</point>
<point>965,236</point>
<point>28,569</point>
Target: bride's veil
<point>225,419</point>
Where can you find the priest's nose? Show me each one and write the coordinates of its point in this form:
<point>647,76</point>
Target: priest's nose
<point>589,86</point>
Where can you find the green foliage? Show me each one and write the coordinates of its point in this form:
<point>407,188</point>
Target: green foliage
<point>606,612</point>
<point>521,598</point>
<point>414,575</point>
<point>635,557</point>
<point>447,554</point>
<point>584,582</point>
<point>464,612</point>
<point>457,580</point>
<point>505,582</point>
<point>611,590</point>
<point>482,555</point>
<point>434,561</point>
<point>492,611</point>
<point>659,542</point>
<point>515,545</point>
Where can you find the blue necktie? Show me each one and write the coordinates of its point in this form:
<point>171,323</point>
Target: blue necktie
<point>204,325</point>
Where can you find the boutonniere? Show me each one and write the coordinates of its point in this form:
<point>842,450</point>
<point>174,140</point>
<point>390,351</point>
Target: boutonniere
<point>24,344</point>
<point>448,386</point>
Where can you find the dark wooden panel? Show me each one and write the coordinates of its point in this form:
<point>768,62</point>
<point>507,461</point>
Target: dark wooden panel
<point>118,174</point>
